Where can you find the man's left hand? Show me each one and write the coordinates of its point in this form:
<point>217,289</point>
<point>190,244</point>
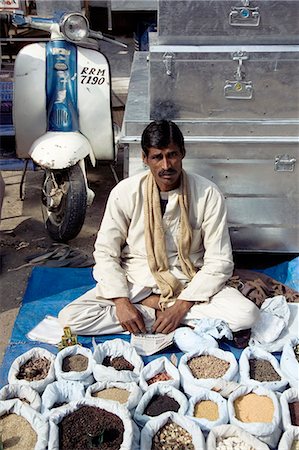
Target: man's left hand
<point>170,319</point>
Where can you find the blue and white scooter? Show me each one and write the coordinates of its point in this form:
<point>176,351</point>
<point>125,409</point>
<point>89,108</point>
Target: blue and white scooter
<point>62,114</point>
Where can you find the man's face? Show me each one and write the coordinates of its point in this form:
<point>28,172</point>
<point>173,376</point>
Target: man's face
<point>166,166</point>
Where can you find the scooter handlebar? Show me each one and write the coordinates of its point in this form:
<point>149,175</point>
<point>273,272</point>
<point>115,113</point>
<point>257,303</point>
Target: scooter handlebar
<point>39,23</point>
<point>99,35</point>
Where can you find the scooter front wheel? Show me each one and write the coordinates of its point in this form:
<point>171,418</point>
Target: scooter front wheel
<point>65,199</point>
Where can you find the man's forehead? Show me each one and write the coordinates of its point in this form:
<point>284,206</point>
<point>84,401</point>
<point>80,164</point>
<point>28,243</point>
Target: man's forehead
<point>169,148</point>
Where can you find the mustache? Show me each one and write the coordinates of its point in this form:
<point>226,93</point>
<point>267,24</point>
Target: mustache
<point>167,172</point>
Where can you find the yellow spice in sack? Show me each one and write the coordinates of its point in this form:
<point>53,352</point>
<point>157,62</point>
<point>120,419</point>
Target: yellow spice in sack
<point>116,394</point>
<point>17,433</point>
<point>206,409</point>
<point>295,445</point>
<point>254,408</point>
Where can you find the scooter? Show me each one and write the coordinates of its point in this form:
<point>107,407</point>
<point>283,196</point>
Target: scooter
<point>62,114</point>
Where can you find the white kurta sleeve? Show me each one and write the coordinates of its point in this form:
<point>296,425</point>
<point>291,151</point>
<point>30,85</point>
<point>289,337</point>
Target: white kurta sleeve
<point>111,278</point>
<point>217,261</point>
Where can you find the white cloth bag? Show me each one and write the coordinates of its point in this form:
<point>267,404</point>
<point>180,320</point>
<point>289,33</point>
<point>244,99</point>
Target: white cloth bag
<point>287,438</point>
<point>288,396</point>
<point>10,392</point>
<point>159,389</point>
<point>188,340</point>
<point>289,364</point>
<point>258,353</point>
<point>226,431</point>
<point>266,432</point>
<point>86,376</point>
<point>36,420</point>
<point>205,424</point>
<point>156,366</point>
<point>132,388</point>
<point>35,352</point>
<point>153,426</point>
<point>114,348</point>
<point>191,384</point>
<point>131,433</point>
<point>62,391</point>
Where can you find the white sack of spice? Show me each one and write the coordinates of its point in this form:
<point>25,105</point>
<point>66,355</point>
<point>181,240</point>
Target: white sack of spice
<point>187,340</point>
<point>157,366</point>
<point>244,369</point>
<point>289,396</point>
<point>36,352</point>
<point>191,384</point>
<point>153,426</point>
<point>203,395</point>
<point>135,393</point>
<point>289,363</point>
<point>131,434</point>
<point>268,432</point>
<point>116,348</point>
<point>61,391</point>
<point>159,389</point>
<point>84,376</point>
<point>288,437</point>
<point>10,392</point>
<point>35,419</point>
<point>221,432</point>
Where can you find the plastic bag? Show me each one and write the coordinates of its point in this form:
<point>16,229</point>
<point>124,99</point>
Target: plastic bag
<point>257,353</point>
<point>268,432</point>
<point>191,384</point>
<point>61,391</point>
<point>131,433</point>
<point>187,340</point>
<point>153,426</point>
<point>205,424</point>
<point>289,364</point>
<point>115,348</point>
<point>36,352</point>
<point>36,420</point>
<point>287,439</point>
<point>85,376</point>
<point>157,366</point>
<point>133,388</point>
<point>225,431</point>
<point>288,396</point>
<point>19,391</point>
<point>159,389</point>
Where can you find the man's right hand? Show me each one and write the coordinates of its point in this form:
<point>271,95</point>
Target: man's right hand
<point>129,317</point>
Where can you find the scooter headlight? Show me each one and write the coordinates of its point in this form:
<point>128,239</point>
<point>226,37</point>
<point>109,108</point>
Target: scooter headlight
<point>74,26</point>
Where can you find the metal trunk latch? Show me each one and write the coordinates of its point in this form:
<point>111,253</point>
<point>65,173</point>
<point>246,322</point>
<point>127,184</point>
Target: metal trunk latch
<point>284,163</point>
<point>168,61</point>
<point>244,16</point>
<point>239,89</point>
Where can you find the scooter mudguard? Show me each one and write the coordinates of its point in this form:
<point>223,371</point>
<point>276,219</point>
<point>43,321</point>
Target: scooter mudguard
<point>57,150</point>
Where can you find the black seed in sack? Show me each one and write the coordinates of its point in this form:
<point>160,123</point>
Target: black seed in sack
<point>160,404</point>
<point>262,370</point>
<point>118,363</point>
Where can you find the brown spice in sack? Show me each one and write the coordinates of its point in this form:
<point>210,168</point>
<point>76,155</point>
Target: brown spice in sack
<point>206,409</point>
<point>262,370</point>
<point>208,366</point>
<point>17,433</point>
<point>116,394</point>
<point>172,437</point>
<point>162,376</point>
<point>294,412</point>
<point>160,404</point>
<point>118,363</point>
<point>34,369</point>
<point>254,408</point>
<point>76,363</point>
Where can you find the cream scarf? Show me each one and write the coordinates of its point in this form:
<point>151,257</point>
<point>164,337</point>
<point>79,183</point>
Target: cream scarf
<point>169,286</point>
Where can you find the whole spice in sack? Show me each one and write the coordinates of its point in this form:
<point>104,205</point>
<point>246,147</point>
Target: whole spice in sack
<point>172,437</point>
<point>254,408</point>
<point>208,366</point>
<point>294,413</point>
<point>34,369</point>
<point>162,376</point>
<point>262,370</point>
<point>17,433</point>
<point>232,443</point>
<point>90,428</point>
<point>206,409</point>
<point>295,445</point>
<point>76,363</point>
<point>296,351</point>
<point>118,363</point>
<point>160,404</point>
<point>116,394</point>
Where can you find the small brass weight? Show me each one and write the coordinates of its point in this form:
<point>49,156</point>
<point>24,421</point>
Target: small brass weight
<point>67,339</point>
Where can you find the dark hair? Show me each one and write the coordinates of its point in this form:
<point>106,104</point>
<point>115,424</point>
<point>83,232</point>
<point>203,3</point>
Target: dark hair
<point>160,134</point>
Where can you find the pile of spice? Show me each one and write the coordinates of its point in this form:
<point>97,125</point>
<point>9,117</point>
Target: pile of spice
<point>296,351</point>
<point>76,363</point>
<point>262,370</point>
<point>172,437</point>
<point>295,445</point>
<point>206,409</point>
<point>118,363</point>
<point>294,413</point>
<point>34,369</point>
<point>116,394</point>
<point>254,408</point>
<point>17,433</point>
<point>162,376</point>
<point>232,443</point>
<point>160,404</point>
<point>208,366</point>
<point>91,428</point>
